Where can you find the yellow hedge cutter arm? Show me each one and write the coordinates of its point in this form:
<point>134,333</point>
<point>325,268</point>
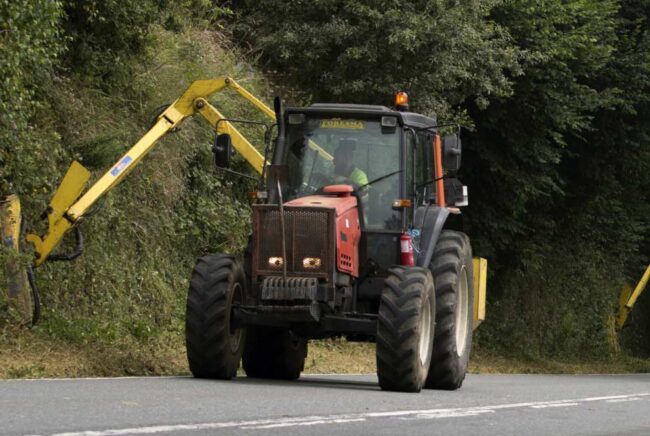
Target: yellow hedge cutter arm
<point>69,203</point>
<point>68,206</point>
<point>629,297</point>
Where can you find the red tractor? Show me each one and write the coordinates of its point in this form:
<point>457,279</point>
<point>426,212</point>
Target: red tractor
<point>355,235</point>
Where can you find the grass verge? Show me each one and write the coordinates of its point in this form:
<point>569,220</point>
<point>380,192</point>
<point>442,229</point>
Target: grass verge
<point>32,354</point>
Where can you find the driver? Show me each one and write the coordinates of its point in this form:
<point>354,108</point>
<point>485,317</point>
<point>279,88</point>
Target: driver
<point>344,168</point>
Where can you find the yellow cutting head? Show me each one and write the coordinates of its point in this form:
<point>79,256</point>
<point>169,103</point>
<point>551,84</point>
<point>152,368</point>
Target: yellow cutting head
<point>15,272</point>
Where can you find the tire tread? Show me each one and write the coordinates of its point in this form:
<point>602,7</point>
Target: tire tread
<point>447,370</point>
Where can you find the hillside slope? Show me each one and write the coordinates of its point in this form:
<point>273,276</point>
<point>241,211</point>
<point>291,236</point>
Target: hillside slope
<point>84,81</point>
<point>127,292</point>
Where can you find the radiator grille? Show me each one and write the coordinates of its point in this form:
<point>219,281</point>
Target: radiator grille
<point>308,235</point>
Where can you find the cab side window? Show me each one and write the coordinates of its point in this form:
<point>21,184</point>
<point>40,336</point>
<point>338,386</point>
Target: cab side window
<point>424,167</point>
<point>409,163</point>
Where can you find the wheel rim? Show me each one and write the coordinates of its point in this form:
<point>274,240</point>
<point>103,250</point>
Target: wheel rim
<point>462,312</point>
<point>235,333</point>
<point>425,333</point>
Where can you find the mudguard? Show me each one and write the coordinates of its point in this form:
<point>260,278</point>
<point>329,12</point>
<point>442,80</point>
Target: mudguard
<point>429,220</point>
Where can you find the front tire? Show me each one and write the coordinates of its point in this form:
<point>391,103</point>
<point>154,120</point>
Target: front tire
<point>405,329</point>
<point>454,280</point>
<point>214,347</point>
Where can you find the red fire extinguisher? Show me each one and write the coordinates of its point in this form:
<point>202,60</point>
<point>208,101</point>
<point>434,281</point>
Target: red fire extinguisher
<point>406,250</point>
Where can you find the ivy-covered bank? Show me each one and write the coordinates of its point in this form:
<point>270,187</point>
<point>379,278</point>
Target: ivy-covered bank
<point>555,96</point>
<point>82,80</point>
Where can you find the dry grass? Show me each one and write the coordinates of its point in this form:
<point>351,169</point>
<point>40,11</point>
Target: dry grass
<point>29,354</point>
<point>490,363</point>
<point>340,356</point>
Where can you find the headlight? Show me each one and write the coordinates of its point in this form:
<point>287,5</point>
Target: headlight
<point>311,262</point>
<point>276,261</point>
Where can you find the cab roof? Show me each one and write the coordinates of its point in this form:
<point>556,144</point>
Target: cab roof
<point>410,119</point>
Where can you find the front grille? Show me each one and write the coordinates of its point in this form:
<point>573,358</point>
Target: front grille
<point>308,235</point>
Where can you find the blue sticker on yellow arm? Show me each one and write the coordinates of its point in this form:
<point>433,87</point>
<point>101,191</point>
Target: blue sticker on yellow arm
<point>126,160</point>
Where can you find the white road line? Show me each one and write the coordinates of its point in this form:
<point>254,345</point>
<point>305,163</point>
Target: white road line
<point>448,414</point>
<point>623,400</point>
<point>313,422</point>
<point>353,417</point>
<point>566,404</point>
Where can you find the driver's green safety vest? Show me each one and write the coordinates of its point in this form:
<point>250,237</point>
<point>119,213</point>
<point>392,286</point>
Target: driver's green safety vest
<point>359,177</point>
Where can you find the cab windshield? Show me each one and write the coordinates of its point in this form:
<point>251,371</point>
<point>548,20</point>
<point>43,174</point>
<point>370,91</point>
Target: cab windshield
<point>323,151</point>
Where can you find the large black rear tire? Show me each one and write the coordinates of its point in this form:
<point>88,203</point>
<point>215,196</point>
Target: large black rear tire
<point>274,353</point>
<point>453,276</point>
<point>405,329</point>
<point>214,347</point>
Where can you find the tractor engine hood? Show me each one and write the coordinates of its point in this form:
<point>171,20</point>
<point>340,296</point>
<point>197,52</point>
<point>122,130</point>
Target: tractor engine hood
<point>347,226</point>
<point>322,236</point>
<point>337,197</point>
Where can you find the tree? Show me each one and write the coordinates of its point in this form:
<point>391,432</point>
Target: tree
<point>441,52</point>
<point>552,204</point>
<point>561,171</point>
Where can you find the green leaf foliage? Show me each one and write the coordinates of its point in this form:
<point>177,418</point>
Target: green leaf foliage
<point>556,158</point>
<point>555,95</point>
<point>441,52</point>
<point>30,43</point>
<point>83,82</point>
<point>104,34</point>
<point>561,171</point>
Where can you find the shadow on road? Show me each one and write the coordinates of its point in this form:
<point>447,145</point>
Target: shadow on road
<point>315,381</point>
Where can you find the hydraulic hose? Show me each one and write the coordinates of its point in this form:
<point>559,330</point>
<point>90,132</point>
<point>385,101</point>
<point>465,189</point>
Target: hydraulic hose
<point>79,248</point>
<point>31,278</point>
<point>36,296</point>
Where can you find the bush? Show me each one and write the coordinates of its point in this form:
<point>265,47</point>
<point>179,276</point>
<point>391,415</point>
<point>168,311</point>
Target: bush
<point>364,51</point>
<point>91,105</point>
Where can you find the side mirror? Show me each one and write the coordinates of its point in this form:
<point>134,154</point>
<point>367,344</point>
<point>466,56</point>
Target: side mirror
<point>455,192</point>
<point>451,152</point>
<point>222,150</point>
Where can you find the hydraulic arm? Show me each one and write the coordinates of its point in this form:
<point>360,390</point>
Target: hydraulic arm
<point>629,297</point>
<point>68,205</point>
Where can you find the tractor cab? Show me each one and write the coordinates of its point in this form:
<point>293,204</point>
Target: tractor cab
<point>386,156</point>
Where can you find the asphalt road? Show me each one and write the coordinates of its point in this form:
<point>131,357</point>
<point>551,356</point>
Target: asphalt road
<point>325,404</point>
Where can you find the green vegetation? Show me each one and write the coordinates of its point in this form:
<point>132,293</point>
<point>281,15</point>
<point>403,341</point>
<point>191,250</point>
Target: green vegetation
<point>363,51</point>
<point>556,99</point>
<point>128,290</point>
<point>555,95</point>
